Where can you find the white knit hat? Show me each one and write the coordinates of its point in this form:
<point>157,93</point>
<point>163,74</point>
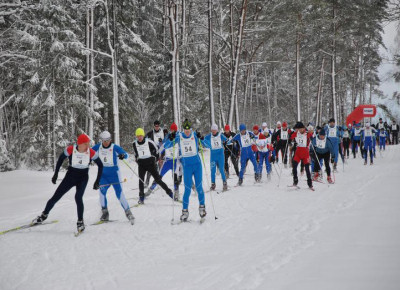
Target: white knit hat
<point>264,124</point>
<point>214,127</point>
<point>105,136</point>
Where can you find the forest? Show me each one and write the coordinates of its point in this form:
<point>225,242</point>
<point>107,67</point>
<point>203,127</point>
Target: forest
<point>70,67</point>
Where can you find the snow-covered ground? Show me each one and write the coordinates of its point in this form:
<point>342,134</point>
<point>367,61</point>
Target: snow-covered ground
<point>343,236</point>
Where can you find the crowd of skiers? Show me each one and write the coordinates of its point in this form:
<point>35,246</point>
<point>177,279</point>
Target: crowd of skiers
<point>181,152</point>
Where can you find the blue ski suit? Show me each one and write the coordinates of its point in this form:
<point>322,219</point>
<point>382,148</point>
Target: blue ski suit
<point>368,136</point>
<point>245,142</point>
<point>111,173</point>
<point>333,134</point>
<point>191,163</point>
<point>382,139</point>
<point>215,143</point>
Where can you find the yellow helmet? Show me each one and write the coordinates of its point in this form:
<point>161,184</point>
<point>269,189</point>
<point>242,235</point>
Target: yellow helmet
<point>139,132</point>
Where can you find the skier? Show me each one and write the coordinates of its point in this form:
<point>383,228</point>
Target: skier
<point>256,132</point>
<point>108,153</point>
<point>395,132</point>
<point>355,138</point>
<point>245,140</point>
<point>367,136</point>
<point>215,141</point>
<point>79,156</point>
<point>157,136</point>
<point>189,149</point>
<point>346,142</point>
<point>323,149</point>
<point>302,154</point>
<point>382,139</point>
<point>278,127</point>
<point>280,140</point>
<point>146,154</point>
<point>266,153</point>
<point>171,162</point>
<point>333,134</point>
<point>231,151</point>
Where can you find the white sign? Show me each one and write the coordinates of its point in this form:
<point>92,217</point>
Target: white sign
<point>368,111</point>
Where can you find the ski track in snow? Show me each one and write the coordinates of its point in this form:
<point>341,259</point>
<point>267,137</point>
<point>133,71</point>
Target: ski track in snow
<point>259,230</point>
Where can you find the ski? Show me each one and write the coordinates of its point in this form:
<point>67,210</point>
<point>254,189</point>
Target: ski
<point>27,226</point>
<point>77,234</point>
<point>102,222</point>
<point>294,186</point>
<point>202,220</point>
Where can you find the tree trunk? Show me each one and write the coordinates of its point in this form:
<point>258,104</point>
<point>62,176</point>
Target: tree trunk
<point>321,77</point>
<point>298,76</point>
<point>210,69</point>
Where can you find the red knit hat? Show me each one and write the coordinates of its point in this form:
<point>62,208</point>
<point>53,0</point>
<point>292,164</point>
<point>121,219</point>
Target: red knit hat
<point>284,124</point>
<point>83,138</point>
<point>255,127</point>
<point>173,127</point>
<point>227,127</point>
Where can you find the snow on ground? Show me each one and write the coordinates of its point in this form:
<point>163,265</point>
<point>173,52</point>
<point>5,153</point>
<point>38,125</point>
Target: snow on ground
<point>343,236</point>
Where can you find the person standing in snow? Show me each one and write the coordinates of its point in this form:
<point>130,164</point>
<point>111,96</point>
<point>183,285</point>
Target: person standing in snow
<point>171,162</point>
<point>382,139</point>
<point>281,139</point>
<point>146,154</point>
<point>323,149</point>
<point>190,160</point>
<point>245,140</point>
<point>356,139</point>
<point>157,135</point>
<point>346,142</point>
<point>79,156</point>
<point>368,136</point>
<point>394,129</point>
<point>256,132</point>
<point>266,153</point>
<point>231,151</point>
<point>109,154</point>
<point>333,133</point>
<point>302,154</point>
<point>215,141</point>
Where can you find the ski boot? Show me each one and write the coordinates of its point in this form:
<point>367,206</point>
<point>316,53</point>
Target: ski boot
<point>141,199</point>
<point>130,216</point>
<point>286,166</point>
<point>39,219</point>
<point>227,174</point>
<point>329,180</point>
<point>295,181</point>
<point>185,215</point>
<point>240,182</point>
<point>315,177</point>
<point>372,163</point>
<point>104,215</point>
<point>202,211</point>
<point>212,186</point>
<point>335,167</point>
<point>269,176</point>
<point>80,226</point>
<point>225,187</point>
<point>365,162</point>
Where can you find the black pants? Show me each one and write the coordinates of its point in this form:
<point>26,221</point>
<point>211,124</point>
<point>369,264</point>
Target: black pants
<point>70,180</point>
<point>395,138</point>
<point>234,160</point>
<point>296,179</point>
<point>346,146</point>
<point>326,157</point>
<point>281,146</point>
<point>354,146</point>
<point>149,165</point>
<point>149,175</point>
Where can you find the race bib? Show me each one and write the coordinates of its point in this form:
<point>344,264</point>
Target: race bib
<point>301,140</point>
<point>357,132</point>
<point>216,142</point>
<point>188,146</point>
<point>158,135</point>
<point>143,150</point>
<point>394,127</point>
<point>284,135</point>
<point>332,132</point>
<point>346,134</point>
<point>321,143</point>
<point>380,126</point>
<point>80,160</point>
<point>367,133</point>
<point>245,139</point>
<point>107,155</point>
<point>172,152</point>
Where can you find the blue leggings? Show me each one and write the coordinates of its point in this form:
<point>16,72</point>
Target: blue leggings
<point>264,156</point>
<point>112,178</point>
<point>189,171</point>
<point>382,143</point>
<point>244,156</point>
<point>217,160</point>
<point>368,147</point>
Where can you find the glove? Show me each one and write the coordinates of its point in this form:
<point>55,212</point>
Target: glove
<point>159,140</point>
<point>332,160</point>
<point>172,136</point>
<point>272,159</point>
<point>96,184</point>
<point>54,178</point>
<point>121,156</point>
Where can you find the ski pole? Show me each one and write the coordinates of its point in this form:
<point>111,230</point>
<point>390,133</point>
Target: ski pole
<point>173,180</point>
<point>126,163</point>
<point>208,182</point>
<point>283,159</point>
<point>103,185</point>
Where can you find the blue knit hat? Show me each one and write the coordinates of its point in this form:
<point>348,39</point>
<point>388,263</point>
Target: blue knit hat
<point>242,127</point>
<point>321,132</point>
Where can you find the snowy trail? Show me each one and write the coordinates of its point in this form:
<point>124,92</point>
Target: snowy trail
<point>265,236</point>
